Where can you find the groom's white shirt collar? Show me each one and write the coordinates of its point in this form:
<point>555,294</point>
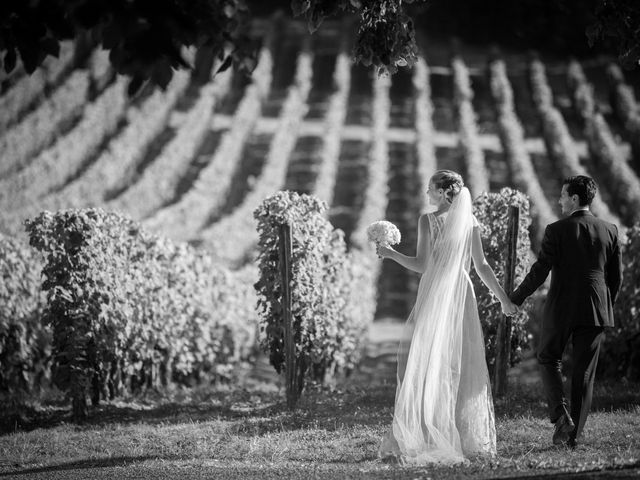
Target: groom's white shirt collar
<point>586,209</point>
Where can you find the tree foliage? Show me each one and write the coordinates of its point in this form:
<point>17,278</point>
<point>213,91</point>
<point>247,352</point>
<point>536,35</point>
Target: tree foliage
<point>618,21</point>
<point>386,34</point>
<point>145,38</point>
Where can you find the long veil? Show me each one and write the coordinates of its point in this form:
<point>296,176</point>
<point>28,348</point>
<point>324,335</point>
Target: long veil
<point>426,424</point>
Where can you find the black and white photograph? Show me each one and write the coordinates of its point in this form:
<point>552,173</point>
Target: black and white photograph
<point>320,239</point>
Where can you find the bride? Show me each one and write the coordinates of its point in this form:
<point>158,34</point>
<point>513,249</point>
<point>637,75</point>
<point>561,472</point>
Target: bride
<point>443,407</point>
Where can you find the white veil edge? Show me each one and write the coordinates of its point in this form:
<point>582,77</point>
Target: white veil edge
<point>429,355</point>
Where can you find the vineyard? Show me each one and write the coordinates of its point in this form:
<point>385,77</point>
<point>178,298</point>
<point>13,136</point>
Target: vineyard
<point>192,163</point>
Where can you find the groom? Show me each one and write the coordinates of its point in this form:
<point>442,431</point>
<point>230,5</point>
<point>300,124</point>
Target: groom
<point>583,255</point>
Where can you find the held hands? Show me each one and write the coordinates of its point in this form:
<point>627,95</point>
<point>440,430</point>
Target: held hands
<point>509,308</point>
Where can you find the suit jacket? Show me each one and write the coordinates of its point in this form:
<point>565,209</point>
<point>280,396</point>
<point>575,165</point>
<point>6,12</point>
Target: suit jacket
<point>583,255</point>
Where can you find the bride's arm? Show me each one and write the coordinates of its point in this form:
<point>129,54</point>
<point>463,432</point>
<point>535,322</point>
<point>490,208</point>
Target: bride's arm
<point>419,262</point>
<point>486,273</point>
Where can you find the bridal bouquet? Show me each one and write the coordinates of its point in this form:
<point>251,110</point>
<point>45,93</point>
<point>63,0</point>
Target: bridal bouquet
<point>383,233</point>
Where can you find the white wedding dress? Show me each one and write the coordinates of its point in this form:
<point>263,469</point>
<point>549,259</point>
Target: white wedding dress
<point>443,408</point>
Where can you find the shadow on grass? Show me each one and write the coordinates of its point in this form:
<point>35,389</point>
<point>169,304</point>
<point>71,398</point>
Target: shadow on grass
<point>260,408</point>
<point>529,400</point>
<point>79,465</point>
<point>610,396</point>
<point>251,411</point>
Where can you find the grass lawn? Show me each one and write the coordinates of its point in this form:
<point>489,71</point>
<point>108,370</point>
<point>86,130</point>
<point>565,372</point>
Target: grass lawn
<point>247,432</point>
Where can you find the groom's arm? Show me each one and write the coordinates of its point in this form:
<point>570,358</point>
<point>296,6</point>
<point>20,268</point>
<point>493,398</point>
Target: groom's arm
<point>539,270</point>
<point>614,270</point>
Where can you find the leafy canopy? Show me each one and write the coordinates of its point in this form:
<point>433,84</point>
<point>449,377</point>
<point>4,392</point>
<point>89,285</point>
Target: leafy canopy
<point>146,38</point>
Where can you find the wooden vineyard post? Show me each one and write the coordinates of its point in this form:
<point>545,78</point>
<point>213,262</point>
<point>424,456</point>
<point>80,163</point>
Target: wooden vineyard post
<point>291,377</point>
<point>503,337</point>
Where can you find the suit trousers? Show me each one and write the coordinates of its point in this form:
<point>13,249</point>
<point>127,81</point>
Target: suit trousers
<point>586,342</point>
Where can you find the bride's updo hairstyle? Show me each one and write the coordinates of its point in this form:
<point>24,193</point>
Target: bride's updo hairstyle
<point>451,182</point>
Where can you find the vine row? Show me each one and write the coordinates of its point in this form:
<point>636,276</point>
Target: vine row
<point>623,184</point>
<point>53,166</point>
<point>425,147</point>
<point>559,143</point>
<point>231,237</point>
<point>625,106</point>
<point>158,182</point>
<point>38,129</point>
<point>477,176</point>
<point>29,88</point>
<point>333,124</point>
<point>183,219</point>
<point>512,137</point>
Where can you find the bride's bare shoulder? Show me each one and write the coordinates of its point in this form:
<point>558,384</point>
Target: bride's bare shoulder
<point>424,222</point>
<point>425,218</point>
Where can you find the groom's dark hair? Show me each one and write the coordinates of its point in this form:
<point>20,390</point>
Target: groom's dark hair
<point>583,186</point>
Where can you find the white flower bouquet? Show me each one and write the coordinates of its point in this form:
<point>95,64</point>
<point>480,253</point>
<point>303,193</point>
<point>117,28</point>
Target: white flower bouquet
<point>383,233</point>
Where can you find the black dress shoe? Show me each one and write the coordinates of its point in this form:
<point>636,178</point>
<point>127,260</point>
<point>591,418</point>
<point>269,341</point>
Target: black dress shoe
<point>564,427</point>
<point>571,443</point>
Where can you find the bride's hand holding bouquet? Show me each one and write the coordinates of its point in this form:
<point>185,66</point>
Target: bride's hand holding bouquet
<point>383,234</point>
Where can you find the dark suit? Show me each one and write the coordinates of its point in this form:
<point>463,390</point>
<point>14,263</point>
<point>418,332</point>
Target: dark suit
<point>583,255</point>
